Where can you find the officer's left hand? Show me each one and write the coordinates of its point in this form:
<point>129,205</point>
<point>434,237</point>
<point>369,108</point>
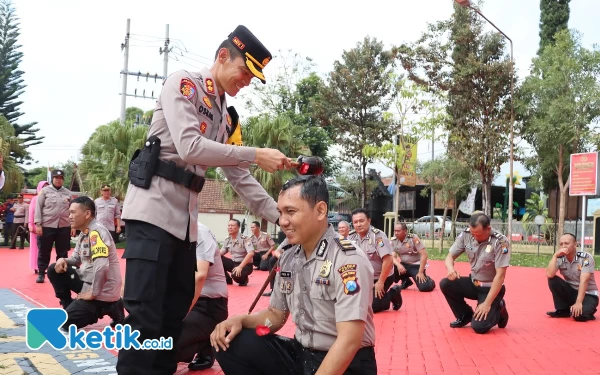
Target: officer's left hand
<point>576,309</point>
<point>421,277</point>
<point>482,311</point>
<point>236,271</point>
<point>265,256</point>
<point>219,339</point>
<point>379,293</point>
<point>118,230</point>
<point>86,296</point>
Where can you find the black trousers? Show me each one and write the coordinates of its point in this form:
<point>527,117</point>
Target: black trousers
<point>564,296</point>
<point>411,271</point>
<point>159,288</point>
<point>229,265</point>
<point>197,327</point>
<point>60,238</point>
<point>457,290</point>
<point>81,313</point>
<point>382,304</point>
<point>250,354</point>
<point>114,236</point>
<point>7,232</point>
<point>18,229</point>
<point>257,260</point>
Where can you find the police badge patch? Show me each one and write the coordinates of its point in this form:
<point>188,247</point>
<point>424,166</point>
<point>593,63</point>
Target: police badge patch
<point>187,88</point>
<point>349,278</point>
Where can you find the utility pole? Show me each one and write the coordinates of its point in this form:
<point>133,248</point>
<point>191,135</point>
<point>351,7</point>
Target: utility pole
<point>165,52</point>
<point>125,46</point>
<point>432,204</point>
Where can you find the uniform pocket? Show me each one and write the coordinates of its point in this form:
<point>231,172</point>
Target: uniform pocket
<point>323,299</point>
<point>141,270</point>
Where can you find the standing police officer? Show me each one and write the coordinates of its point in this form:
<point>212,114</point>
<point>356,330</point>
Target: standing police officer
<point>376,245</point>
<point>242,252</point>
<point>108,212</point>
<point>410,259</point>
<point>263,247</point>
<point>325,283</point>
<point>21,218</point>
<point>489,254</point>
<point>192,122</point>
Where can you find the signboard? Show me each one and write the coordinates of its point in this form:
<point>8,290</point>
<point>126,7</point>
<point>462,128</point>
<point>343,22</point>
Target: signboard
<point>406,200</point>
<point>408,170</point>
<point>584,174</point>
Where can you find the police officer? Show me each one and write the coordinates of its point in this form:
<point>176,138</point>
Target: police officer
<point>376,245</point>
<point>410,259</point>
<point>209,307</point>
<point>343,229</point>
<point>325,284</point>
<point>92,271</point>
<point>21,219</point>
<point>489,254</point>
<point>577,294</point>
<point>263,247</point>
<point>242,252</point>
<point>108,212</point>
<point>192,121</point>
<point>9,216</point>
<point>52,221</point>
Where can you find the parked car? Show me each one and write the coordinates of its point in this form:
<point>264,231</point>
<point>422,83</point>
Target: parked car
<point>334,218</point>
<point>422,226</point>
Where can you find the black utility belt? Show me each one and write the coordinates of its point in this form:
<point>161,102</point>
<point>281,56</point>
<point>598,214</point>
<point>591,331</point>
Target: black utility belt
<point>18,217</point>
<point>178,175</point>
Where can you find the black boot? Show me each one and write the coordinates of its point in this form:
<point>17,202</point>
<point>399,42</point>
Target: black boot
<point>462,321</point>
<point>503,315</point>
<point>41,276</point>
<point>116,311</point>
<point>396,297</point>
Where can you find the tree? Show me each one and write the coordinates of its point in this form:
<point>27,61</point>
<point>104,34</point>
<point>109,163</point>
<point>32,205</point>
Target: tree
<point>358,91</point>
<point>560,107</point>
<point>11,82</point>
<point>450,180</point>
<point>554,17</point>
<point>349,181</point>
<point>456,58</point>
<point>9,144</point>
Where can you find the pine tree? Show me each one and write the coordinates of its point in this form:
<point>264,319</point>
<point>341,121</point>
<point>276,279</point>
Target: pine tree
<point>11,81</point>
<point>554,17</point>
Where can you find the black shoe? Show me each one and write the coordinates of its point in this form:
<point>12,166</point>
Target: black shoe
<point>396,297</point>
<point>201,363</point>
<point>462,321</point>
<point>41,277</point>
<point>584,318</point>
<point>267,294</point>
<point>116,311</point>
<point>35,271</point>
<point>12,248</point>
<point>406,283</point>
<point>559,314</point>
<point>229,281</point>
<point>503,315</point>
<point>243,283</point>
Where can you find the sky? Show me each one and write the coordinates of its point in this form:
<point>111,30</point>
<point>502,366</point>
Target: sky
<point>73,57</point>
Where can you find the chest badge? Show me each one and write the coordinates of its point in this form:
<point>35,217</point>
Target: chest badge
<point>325,269</point>
<point>488,248</point>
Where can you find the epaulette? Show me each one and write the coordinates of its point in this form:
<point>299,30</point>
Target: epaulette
<point>497,234</point>
<point>409,235</point>
<point>467,230</point>
<point>286,246</point>
<point>375,230</point>
<point>392,238</point>
<point>345,245</point>
<point>582,254</point>
<point>351,232</point>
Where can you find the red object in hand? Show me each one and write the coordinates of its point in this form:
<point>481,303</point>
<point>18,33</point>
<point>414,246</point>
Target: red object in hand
<point>262,330</point>
<point>309,165</point>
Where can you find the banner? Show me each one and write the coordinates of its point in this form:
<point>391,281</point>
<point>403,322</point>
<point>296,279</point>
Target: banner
<point>468,205</point>
<point>584,174</point>
<point>408,171</point>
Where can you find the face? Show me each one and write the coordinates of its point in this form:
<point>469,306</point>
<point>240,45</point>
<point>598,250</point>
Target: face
<point>58,181</point>
<point>361,223</point>
<point>232,227</point>
<point>78,216</point>
<point>106,193</point>
<point>299,221</point>
<point>481,234</point>
<point>234,74</point>
<point>568,244</point>
<point>254,228</point>
<point>343,229</point>
<point>399,232</point>
<point>20,199</point>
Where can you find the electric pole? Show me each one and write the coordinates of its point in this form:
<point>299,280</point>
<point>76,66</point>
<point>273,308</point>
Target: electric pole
<point>165,51</point>
<point>125,47</point>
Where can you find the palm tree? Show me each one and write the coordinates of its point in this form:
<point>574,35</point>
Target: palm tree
<point>106,156</point>
<point>10,145</point>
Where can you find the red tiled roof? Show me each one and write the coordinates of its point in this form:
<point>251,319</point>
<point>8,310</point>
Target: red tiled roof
<point>212,199</point>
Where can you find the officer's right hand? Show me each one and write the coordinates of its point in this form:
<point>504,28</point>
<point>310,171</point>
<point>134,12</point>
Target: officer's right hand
<point>60,266</point>
<point>219,339</point>
<point>453,275</point>
<point>38,230</point>
<point>401,270</point>
<point>271,160</point>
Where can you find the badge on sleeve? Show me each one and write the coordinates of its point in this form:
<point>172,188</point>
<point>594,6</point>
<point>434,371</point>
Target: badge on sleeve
<point>99,248</point>
<point>379,241</point>
<point>505,251</point>
<point>349,278</point>
<point>187,88</point>
<point>586,263</point>
<point>206,101</point>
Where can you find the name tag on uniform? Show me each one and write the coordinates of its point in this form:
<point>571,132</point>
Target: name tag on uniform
<point>285,274</point>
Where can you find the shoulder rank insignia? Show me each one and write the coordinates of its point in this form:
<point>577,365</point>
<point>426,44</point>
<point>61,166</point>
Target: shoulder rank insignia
<point>409,235</point>
<point>582,254</point>
<point>375,230</point>
<point>345,245</point>
<point>351,232</point>
<point>393,238</point>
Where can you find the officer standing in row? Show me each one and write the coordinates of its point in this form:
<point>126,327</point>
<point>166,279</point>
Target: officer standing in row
<point>489,254</point>
<point>21,219</point>
<point>9,216</point>
<point>242,252</point>
<point>209,306</point>
<point>93,271</point>
<point>343,229</point>
<point>325,283</point>
<point>52,221</point>
<point>577,294</point>
<point>410,259</point>
<point>192,122</point>
<point>263,247</point>
<point>108,212</point>
<point>376,245</point>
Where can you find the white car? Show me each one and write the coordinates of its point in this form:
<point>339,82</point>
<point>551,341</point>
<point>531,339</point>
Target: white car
<point>422,226</point>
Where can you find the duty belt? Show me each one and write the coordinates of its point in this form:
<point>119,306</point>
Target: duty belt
<point>481,283</point>
<point>18,217</point>
<point>171,172</point>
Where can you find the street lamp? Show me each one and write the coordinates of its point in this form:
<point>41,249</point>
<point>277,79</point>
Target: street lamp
<point>539,220</point>
<point>467,4</point>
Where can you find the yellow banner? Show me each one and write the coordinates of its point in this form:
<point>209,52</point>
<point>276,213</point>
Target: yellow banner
<point>408,169</point>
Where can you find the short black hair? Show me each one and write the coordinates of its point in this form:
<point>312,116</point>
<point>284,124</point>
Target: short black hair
<point>237,222</point>
<point>234,52</point>
<point>479,219</point>
<point>313,189</point>
<point>87,203</point>
<point>256,223</point>
<point>570,234</point>
<point>402,226</point>
<point>361,211</point>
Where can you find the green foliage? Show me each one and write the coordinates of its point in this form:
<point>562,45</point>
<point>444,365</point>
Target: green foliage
<point>554,17</point>
<point>349,182</point>
<point>10,144</point>
<point>534,206</point>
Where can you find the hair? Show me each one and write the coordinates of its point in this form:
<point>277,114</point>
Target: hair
<point>402,226</point>
<point>570,234</point>
<point>313,189</point>
<point>344,222</point>
<point>87,203</point>
<point>361,211</point>
<point>256,223</point>
<point>234,52</point>
<point>479,219</point>
<point>236,221</point>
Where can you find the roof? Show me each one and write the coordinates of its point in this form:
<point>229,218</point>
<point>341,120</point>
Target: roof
<point>212,199</point>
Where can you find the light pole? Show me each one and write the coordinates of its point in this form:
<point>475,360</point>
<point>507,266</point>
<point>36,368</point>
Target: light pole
<point>467,4</point>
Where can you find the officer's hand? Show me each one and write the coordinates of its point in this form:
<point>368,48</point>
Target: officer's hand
<point>421,277</point>
<point>577,309</point>
<point>61,266</point>
<point>219,339</point>
<point>453,275</point>
<point>118,229</point>
<point>379,293</point>
<point>560,253</point>
<point>277,253</point>
<point>236,271</point>
<point>265,256</point>
<point>271,160</point>
<point>401,270</point>
<point>86,296</point>
<point>73,232</point>
<point>38,230</point>
<point>482,310</point>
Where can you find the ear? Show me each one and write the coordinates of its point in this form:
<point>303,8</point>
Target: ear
<point>321,208</point>
<point>223,55</point>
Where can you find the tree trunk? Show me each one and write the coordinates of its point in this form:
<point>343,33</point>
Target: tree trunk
<point>364,184</point>
<point>396,196</point>
<point>486,194</point>
<point>443,230</point>
<point>562,188</point>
